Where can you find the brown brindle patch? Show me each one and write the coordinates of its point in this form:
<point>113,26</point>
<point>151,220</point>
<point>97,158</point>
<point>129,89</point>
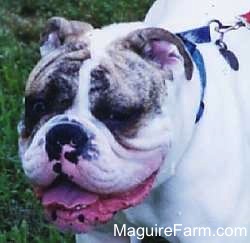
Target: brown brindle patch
<point>127,86</point>
<point>124,88</point>
<point>53,83</point>
<point>65,61</point>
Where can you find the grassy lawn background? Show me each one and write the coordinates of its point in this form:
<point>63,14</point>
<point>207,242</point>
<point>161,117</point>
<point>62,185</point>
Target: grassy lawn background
<point>21,21</point>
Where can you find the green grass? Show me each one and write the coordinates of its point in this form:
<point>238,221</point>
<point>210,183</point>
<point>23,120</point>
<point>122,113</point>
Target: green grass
<point>21,21</point>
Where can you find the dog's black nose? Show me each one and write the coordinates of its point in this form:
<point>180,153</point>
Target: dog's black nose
<point>66,134</point>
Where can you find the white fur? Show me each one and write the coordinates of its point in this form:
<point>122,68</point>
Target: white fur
<point>208,174</point>
<point>179,15</point>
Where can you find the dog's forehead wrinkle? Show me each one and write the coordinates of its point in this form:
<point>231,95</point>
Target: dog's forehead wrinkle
<point>66,59</point>
<point>41,66</point>
<point>60,84</point>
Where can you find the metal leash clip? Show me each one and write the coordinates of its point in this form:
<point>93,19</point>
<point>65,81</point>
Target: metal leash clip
<point>228,55</point>
<point>224,29</point>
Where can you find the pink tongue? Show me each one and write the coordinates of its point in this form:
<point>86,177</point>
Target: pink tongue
<point>68,195</point>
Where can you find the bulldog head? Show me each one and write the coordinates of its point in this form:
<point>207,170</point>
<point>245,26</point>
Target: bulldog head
<point>106,111</point>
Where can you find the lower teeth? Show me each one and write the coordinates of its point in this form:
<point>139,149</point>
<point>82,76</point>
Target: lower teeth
<point>79,207</point>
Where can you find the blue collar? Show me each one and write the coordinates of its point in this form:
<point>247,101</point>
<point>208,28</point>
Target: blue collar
<point>190,38</point>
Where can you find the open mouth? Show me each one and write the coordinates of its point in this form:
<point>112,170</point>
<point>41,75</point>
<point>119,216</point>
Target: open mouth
<point>72,208</point>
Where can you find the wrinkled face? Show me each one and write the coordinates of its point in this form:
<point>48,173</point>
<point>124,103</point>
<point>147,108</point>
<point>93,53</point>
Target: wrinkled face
<point>100,112</point>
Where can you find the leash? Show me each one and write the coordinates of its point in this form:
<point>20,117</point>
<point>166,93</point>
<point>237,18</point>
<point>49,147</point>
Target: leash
<point>245,18</point>
<point>202,35</point>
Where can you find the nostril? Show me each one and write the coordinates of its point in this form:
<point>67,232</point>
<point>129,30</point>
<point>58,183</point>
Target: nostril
<point>65,134</point>
<point>81,218</point>
<point>54,216</point>
<point>71,156</point>
<point>57,168</point>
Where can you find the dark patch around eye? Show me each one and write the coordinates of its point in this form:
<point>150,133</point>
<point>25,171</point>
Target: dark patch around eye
<point>118,118</point>
<point>54,84</point>
<point>32,115</point>
<point>60,92</point>
<point>114,113</point>
<point>56,97</point>
<point>120,96</point>
<point>105,112</point>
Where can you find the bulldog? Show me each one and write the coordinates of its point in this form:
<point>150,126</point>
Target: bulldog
<point>125,124</point>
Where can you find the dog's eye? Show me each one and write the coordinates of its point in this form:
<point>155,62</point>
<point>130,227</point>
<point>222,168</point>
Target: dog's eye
<point>39,107</point>
<point>117,119</point>
<point>105,113</point>
<point>35,109</point>
<point>121,116</point>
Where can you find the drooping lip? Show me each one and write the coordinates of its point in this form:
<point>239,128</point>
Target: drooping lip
<point>89,209</point>
<point>79,211</point>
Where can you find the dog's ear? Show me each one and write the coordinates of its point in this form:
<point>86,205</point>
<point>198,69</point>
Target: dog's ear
<point>59,31</point>
<point>162,47</point>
